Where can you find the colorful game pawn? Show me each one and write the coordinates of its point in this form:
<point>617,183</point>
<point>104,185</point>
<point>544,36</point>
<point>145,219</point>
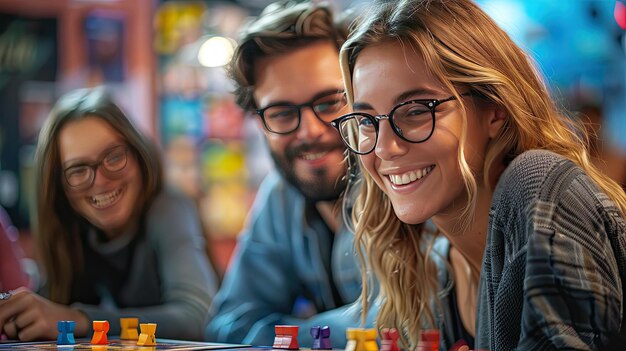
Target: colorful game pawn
<point>389,339</point>
<point>367,340</point>
<point>321,338</point>
<point>286,337</point>
<point>361,339</point>
<point>460,345</point>
<point>429,340</point>
<point>129,328</point>
<point>100,330</point>
<point>279,335</point>
<point>147,337</point>
<point>352,341</point>
<point>66,333</point>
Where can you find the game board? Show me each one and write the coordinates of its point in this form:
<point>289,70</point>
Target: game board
<point>123,345</point>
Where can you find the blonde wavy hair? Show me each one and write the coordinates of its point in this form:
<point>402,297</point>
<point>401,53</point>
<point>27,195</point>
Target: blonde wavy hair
<point>466,51</point>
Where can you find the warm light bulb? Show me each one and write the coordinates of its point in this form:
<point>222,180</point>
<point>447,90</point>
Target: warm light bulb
<point>216,52</point>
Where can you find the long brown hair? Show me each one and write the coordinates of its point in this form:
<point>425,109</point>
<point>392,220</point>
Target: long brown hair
<point>57,226</point>
<point>464,48</point>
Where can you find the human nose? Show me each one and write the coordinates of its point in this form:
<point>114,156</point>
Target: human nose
<point>99,175</point>
<point>389,145</point>
<point>310,127</point>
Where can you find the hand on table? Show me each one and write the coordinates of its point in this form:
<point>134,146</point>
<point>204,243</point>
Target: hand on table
<point>27,316</point>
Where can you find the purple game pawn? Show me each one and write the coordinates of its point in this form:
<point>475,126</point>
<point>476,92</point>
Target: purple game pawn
<point>321,338</point>
<point>315,333</point>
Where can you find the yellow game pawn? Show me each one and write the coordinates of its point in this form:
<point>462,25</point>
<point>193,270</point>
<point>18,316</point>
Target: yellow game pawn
<point>368,341</point>
<point>360,339</point>
<point>351,336</point>
<point>129,328</point>
<point>147,337</point>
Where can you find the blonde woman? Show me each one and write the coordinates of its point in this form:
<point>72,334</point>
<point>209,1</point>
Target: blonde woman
<point>454,127</point>
<point>113,243</point>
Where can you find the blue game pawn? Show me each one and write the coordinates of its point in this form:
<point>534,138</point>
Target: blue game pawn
<point>66,333</point>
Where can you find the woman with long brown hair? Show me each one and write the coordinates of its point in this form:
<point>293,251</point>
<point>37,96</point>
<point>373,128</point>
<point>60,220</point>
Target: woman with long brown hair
<point>113,243</point>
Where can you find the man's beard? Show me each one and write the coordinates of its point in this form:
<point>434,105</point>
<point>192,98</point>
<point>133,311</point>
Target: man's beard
<point>320,187</point>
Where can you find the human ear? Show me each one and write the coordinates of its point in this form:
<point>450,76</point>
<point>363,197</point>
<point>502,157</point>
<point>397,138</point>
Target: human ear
<point>496,121</point>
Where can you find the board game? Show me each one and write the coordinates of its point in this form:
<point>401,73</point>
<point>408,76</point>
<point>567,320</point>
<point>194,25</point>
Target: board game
<point>114,344</point>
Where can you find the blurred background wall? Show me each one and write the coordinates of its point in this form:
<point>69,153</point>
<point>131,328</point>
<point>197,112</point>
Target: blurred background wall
<point>164,61</point>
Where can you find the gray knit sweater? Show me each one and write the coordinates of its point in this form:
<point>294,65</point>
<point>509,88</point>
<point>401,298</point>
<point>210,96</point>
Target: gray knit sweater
<point>555,262</point>
<point>161,276</point>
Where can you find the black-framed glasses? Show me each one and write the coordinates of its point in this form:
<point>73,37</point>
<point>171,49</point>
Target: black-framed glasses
<point>412,121</point>
<point>284,117</point>
<point>83,175</point>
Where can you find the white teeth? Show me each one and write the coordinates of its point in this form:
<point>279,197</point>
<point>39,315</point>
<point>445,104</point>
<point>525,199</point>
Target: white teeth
<point>411,176</point>
<point>311,157</point>
<point>405,178</point>
<point>104,200</point>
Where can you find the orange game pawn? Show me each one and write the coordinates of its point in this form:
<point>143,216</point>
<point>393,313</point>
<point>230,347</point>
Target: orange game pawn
<point>129,328</point>
<point>147,338</point>
<point>100,330</point>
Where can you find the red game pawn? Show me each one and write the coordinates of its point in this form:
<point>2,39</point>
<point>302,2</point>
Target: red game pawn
<point>100,330</point>
<point>286,337</point>
<point>460,345</point>
<point>279,332</point>
<point>389,340</point>
<point>429,340</point>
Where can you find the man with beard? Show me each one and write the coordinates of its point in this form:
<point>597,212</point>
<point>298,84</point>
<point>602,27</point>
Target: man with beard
<point>295,246</point>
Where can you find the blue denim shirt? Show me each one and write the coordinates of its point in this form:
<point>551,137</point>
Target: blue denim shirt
<point>282,255</point>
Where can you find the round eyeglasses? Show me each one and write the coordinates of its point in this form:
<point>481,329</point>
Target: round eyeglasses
<point>284,117</point>
<point>83,175</point>
<point>412,121</point>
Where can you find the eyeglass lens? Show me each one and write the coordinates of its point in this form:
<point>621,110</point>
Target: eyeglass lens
<point>412,121</point>
<point>286,118</point>
<point>82,175</point>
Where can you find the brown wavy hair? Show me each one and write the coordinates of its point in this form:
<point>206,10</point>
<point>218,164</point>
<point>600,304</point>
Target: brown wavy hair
<point>466,51</point>
<point>282,27</point>
<point>58,227</point>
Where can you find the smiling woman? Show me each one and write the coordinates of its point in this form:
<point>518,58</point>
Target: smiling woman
<point>479,210</point>
<point>113,243</point>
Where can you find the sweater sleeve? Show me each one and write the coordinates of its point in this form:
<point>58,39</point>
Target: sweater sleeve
<point>572,285</point>
<point>554,265</point>
<point>573,290</point>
